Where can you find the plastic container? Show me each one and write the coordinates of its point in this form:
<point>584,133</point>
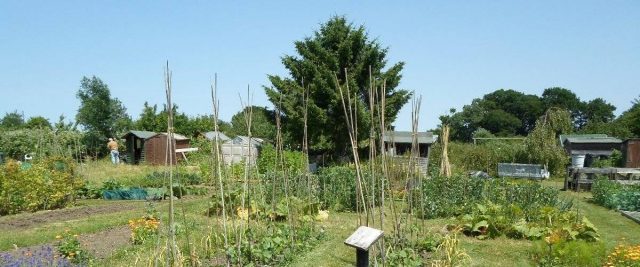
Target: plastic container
<point>577,161</point>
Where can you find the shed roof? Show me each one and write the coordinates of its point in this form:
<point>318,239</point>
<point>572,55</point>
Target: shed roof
<point>563,137</point>
<point>593,140</point>
<point>407,137</point>
<point>212,135</point>
<point>140,134</point>
<point>176,136</point>
<point>244,140</point>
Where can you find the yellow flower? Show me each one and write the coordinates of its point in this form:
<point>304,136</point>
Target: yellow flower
<point>58,237</point>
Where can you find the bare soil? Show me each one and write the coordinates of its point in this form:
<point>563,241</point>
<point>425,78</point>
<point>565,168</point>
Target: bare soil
<point>102,244</point>
<point>32,220</point>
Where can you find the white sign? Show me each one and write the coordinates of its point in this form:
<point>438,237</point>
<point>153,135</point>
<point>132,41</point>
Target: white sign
<point>363,237</point>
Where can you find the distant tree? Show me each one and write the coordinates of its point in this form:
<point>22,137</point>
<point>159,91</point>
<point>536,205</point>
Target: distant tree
<point>558,97</point>
<point>501,123</point>
<point>61,125</point>
<point>204,123</point>
<point>598,110</point>
<point>152,120</point>
<point>12,121</point>
<point>100,115</point>
<point>336,46</point>
<point>630,119</point>
<point>523,107</point>
<point>38,122</point>
<point>464,123</point>
<point>147,119</point>
<point>262,123</point>
<point>614,128</point>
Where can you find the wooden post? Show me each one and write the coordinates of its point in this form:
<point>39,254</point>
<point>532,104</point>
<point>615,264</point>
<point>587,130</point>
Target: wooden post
<point>362,258</point>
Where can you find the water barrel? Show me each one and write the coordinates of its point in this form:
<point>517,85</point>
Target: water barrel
<point>577,161</point>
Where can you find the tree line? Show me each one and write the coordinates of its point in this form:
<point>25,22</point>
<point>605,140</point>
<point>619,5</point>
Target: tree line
<point>506,113</point>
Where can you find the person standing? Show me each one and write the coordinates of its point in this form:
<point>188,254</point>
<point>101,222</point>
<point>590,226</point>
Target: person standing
<point>113,147</point>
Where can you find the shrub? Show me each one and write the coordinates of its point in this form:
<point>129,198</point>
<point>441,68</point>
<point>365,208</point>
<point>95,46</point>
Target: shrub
<point>48,184</point>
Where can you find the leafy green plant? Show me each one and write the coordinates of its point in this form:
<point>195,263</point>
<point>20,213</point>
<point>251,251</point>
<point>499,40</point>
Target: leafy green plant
<point>70,248</point>
<point>613,195</point>
<point>277,245</point>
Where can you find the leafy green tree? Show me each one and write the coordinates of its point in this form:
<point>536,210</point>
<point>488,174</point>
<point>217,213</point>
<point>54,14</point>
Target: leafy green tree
<point>464,123</point>
<point>542,145</point>
<point>262,123</point>
<point>61,125</point>
<point>12,121</point>
<point>614,128</point>
<point>100,115</point>
<point>523,107</point>
<point>501,123</point>
<point>558,97</point>
<point>336,46</point>
<point>630,119</point>
<point>597,111</point>
<point>152,120</point>
<point>147,119</point>
<point>38,122</point>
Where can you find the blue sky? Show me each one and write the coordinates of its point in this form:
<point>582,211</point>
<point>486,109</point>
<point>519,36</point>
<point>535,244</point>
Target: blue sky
<point>454,50</point>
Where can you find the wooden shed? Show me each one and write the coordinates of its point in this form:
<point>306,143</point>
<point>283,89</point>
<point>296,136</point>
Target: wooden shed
<point>631,153</point>
<point>593,146</point>
<point>155,148</point>
<point>150,147</point>
<point>134,142</point>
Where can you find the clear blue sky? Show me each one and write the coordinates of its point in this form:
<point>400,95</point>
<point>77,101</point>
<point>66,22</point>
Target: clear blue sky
<point>454,50</point>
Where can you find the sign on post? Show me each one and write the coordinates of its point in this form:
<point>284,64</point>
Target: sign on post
<point>362,239</point>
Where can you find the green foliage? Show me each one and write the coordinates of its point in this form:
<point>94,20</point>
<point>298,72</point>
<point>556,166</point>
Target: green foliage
<point>491,220</point>
<point>48,184</point>
<point>263,122</point>
<point>151,119</point>
<point>275,246</point>
<point>509,112</point>
<point>452,196</point>
<point>293,162</point>
<point>613,195</point>
<point>615,160</point>
<point>568,253</point>
<point>484,156</point>
<point>70,248</point>
<point>40,143</point>
<point>405,257</point>
<point>630,119</point>
<point>542,143</point>
<point>100,115</point>
<point>38,122</point>
<point>12,121</point>
<point>338,188</point>
<point>336,46</point>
